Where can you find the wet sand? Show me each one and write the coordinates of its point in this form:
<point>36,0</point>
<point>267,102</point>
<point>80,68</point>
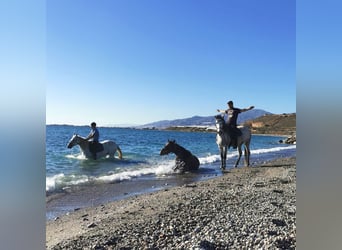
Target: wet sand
<point>77,197</point>
<point>252,207</point>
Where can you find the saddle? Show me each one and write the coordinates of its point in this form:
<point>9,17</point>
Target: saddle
<point>234,133</point>
<point>95,147</point>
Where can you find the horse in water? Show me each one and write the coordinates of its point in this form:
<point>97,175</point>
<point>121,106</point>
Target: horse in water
<point>223,141</point>
<point>185,160</point>
<point>107,147</point>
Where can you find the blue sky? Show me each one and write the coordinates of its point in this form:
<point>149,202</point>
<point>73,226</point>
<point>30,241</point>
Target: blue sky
<point>134,62</point>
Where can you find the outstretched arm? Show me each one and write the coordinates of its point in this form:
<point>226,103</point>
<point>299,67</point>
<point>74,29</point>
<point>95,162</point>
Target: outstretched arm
<point>246,109</point>
<point>221,111</point>
<point>91,135</point>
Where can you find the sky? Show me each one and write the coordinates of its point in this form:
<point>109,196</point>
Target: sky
<point>134,62</point>
<point>55,53</point>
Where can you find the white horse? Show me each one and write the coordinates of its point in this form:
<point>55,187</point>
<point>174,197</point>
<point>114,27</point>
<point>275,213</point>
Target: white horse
<point>223,140</point>
<point>109,147</point>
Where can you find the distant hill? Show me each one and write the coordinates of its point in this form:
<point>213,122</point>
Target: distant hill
<point>203,120</point>
<point>284,124</point>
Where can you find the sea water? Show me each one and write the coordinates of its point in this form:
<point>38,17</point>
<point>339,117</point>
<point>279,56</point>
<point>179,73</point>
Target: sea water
<point>141,159</point>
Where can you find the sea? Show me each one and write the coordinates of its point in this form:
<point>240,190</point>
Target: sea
<point>73,182</point>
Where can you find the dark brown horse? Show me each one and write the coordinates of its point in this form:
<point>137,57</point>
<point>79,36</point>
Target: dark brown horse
<point>185,160</point>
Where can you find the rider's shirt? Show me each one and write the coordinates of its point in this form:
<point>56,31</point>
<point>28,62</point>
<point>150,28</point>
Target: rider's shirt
<point>232,116</point>
<point>95,134</point>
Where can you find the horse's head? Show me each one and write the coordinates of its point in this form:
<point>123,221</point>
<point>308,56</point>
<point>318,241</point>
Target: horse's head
<point>75,140</point>
<point>219,123</point>
<point>168,148</point>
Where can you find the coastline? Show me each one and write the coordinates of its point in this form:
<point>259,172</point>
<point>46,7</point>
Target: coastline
<point>79,197</point>
<point>245,207</point>
<point>290,135</point>
<point>206,129</point>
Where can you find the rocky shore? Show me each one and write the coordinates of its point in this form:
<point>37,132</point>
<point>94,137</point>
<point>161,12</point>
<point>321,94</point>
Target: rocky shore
<point>246,208</point>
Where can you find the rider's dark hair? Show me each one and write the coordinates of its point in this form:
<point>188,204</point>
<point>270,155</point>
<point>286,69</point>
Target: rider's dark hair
<point>93,124</point>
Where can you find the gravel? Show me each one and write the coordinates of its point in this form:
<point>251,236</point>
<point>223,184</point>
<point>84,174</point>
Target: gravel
<point>246,208</point>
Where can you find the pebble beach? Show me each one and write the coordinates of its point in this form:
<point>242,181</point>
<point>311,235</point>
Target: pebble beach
<point>245,208</point>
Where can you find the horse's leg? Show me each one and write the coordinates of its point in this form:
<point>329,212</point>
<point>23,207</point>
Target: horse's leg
<point>110,153</point>
<point>177,163</point>
<point>223,157</point>
<point>247,154</point>
<point>119,152</point>
<point>180,165</point>
<point>223,160</point>
<point>240,153</point>
<point>194,163</point>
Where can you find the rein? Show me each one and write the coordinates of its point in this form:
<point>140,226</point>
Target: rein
<point>220,126</point>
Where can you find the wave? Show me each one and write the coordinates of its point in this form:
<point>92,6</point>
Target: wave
<point>60,181</point>
<point>158,168</point>
<point>271,150</point>
<point>214,158</point>
<point>78,156</point>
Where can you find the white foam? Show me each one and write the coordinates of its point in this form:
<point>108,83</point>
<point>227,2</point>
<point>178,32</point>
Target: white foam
<point>60,180</point>
<point>51,182</point>
<point>165,168</point>
<point>230,154</point>
<point>269,150</point>
<point>78,157</point>
<point>158,168</point>
<point>209,159</point>
<point>161,169</point>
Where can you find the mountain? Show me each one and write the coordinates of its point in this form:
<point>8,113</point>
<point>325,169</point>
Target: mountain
<point>203,120</point>
<point>284,124</point>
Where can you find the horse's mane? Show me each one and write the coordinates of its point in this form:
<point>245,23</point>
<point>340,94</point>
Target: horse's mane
<point>77,135</point>
<point>184,152</point>
<point>219,117</point>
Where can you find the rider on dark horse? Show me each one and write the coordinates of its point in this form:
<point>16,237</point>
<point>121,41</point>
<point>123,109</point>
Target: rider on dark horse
<point>93,138</point>
<point>231,128</point>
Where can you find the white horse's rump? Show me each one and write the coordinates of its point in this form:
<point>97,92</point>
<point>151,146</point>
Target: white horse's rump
<point>109,147</point>
<point>223,140</point>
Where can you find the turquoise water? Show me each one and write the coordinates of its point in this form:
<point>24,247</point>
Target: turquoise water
<point>67,167</point>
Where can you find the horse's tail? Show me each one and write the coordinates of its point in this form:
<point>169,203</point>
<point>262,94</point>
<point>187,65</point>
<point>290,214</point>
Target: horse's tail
<point>120,153</point>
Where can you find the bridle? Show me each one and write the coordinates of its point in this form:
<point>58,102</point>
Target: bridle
<point>75,140</point>
<point>219,125</point>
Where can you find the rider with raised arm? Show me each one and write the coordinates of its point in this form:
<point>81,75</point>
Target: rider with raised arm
<point>93,139</point>
<point>233,114</point>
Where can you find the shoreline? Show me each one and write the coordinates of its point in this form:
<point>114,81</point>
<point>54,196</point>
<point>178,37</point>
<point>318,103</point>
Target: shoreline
<point>76,197</point>
<point>80,197</point>
<point>212,130</point>
<point>245,207</point>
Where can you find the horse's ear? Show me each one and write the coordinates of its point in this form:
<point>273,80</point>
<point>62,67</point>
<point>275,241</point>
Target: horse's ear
<point>173,141</point>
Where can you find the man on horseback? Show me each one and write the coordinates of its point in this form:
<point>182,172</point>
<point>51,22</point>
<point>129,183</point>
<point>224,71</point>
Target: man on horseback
<point>232,129</point>
<point>93,138</point>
